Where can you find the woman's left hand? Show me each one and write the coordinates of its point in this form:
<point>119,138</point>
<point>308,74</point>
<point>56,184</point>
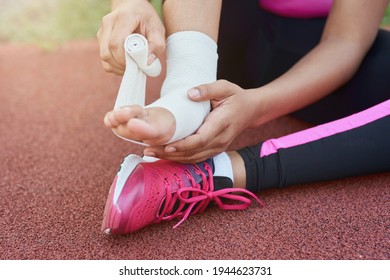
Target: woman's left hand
<point>232,111</point>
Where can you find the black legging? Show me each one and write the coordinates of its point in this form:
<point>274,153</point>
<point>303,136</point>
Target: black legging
<point>255,47</point>
<point>355,145</point>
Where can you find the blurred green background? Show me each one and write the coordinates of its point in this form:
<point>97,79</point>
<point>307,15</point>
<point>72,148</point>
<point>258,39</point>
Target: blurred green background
<point>48,23</point>
<point>386,19</point>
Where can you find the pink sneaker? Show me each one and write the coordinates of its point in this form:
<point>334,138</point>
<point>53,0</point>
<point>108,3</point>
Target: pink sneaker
<point>145,193</point>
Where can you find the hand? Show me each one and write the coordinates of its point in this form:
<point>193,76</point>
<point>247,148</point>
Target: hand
<point>127,17</point>
<point>232,112</point>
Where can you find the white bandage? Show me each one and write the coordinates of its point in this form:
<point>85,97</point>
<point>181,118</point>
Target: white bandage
<point>132,88</point>
<point>133,85</point>
<point>191,61</point>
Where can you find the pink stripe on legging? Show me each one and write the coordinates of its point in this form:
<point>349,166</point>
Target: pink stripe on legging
<point>325,130</point>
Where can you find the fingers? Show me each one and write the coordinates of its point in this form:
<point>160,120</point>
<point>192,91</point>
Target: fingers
<point>155,34</point>
<point>112,56</point>
<point>214,91</point>
<point>213,137</point>
<point>193,156</point>
<point>128,18</point>
<point>206,134</point>
<point>209,140</point>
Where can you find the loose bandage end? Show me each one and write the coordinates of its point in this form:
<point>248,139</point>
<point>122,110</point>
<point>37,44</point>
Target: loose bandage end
<point>133,85</point>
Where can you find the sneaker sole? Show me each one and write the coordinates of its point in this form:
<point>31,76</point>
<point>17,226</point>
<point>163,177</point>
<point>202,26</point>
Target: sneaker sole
<point>112,213</point>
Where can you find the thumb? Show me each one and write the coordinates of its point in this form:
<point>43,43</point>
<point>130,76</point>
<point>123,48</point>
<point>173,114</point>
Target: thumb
<point>156,40</point>
<point>214,91</point>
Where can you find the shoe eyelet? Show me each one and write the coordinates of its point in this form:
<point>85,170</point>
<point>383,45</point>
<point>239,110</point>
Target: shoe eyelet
<point>179,181</point>
<point>166,183</point>
<point>188,174</point>
<point>206,166</point>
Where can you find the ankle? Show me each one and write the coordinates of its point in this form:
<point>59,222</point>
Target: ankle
<point>238,167</point>
<point>191,61</point>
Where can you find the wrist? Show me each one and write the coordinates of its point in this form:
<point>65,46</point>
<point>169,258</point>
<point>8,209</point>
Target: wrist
<point>259,103</point>
<point>116,3</point>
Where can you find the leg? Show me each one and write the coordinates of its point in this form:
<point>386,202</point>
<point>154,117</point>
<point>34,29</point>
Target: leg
<point>191,60</point>
<point>352,146</point>
<point>144,193</point>
<point>239,62</point>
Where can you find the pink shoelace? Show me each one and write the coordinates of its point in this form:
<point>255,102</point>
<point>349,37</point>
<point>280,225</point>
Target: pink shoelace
<point>198,196</point>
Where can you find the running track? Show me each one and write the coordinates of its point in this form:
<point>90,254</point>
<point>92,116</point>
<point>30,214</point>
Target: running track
<point>57,161</point>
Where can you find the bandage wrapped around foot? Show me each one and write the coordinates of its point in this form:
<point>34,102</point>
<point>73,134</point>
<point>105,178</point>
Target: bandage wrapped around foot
<point>191,61</point>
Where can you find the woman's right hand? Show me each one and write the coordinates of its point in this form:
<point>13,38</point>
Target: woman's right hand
<point>233,110</point>
<point>127,17</point>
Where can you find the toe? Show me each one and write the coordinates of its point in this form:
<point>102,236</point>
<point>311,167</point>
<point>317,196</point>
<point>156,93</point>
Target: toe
<point>110,120</point>
<point>124,114</point>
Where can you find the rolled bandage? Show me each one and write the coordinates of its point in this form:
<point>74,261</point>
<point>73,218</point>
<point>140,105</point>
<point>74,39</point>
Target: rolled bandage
<point>133,85</point>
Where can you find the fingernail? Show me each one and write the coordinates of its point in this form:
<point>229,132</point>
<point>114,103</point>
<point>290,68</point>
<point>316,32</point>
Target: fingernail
<point>124,110</point>
<point>194,92</point>
<point>170,149</point>
<point>149,154</point>
<point>152,57</point>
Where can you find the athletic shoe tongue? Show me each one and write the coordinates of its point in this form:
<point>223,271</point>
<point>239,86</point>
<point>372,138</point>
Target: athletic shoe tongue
<point>197,177</point>
<point>201,166</point>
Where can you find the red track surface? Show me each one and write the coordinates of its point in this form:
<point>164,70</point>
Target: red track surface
<point>58,161</point>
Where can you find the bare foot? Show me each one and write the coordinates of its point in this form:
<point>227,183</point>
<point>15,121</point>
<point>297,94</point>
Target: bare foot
<point>153,126</point>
